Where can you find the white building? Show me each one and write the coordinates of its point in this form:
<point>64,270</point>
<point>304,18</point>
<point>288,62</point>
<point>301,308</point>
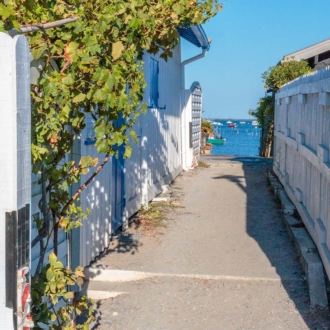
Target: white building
<point>168,143</point>
<point>166,147</point>
<point>317,55</point>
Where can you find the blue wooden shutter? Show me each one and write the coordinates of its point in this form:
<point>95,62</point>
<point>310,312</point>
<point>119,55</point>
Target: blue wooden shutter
<point>154,93</point>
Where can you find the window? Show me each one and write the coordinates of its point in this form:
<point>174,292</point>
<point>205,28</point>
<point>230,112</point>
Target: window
<point>154,93</point>
<point>324,56</point>
<point>311,61</point>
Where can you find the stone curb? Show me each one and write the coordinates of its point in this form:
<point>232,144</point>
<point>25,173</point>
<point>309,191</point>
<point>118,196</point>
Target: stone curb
<point>307,250</point>
<point>287,206</point>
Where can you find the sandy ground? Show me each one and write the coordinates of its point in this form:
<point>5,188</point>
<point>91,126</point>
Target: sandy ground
<point>229,231</point>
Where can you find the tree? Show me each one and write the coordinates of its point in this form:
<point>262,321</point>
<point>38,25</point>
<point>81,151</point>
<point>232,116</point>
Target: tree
<point>207,127</point>
<point>264,110</point>
<point>93,65</point>
<point>274,78</point>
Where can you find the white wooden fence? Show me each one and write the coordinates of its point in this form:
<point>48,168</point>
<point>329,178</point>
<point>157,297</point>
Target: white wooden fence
<point>301,152</point>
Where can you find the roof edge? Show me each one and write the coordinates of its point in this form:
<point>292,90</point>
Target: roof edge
<point>196,35</point>
<point>316,45</point>
<point>201,36</point>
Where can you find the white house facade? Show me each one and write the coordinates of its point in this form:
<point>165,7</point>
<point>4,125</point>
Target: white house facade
<point>167,135</point>
<point>162,152</point>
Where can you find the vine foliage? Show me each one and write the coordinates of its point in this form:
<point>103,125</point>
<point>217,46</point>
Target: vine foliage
<point>274,78</point>
<point>91,67</point>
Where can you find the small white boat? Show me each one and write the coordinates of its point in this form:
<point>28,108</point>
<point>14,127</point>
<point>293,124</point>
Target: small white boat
<point>229,122</point>
<point>242,122</point>
<point>215,123</point>
<point>255,123</point>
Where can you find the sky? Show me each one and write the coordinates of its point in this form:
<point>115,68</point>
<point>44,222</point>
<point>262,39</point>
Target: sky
<point>247,38</point>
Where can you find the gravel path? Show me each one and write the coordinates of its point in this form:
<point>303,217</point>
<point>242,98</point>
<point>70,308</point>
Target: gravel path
<point>225,261</point>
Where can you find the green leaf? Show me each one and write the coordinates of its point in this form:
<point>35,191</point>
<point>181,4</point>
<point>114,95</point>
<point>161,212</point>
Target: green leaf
<point>69,295</point>
<point>110,83</point>
<point>6,11</point>
<point>80,281</point>
<point>100,129</point>
<point>49,274</point>
<point>71,51</point>
<point>117,49</point>
<point>37,52</point>
<point>52,287</point>
<point>52,258</point>
<point>99,96</point>
<point>133,135</point>
<point>68,79</point>
<point>128,151</point>
<point>103,26</point>
<point>66,111</point>
<point>103,147</point>
<point>79,98</point>
<point>88,161</point>
<point>58,265</point>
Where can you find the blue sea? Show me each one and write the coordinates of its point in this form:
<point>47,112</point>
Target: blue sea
<point>244,140</point>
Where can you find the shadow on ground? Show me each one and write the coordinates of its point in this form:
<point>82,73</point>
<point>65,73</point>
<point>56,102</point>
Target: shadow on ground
<point>276,244</point>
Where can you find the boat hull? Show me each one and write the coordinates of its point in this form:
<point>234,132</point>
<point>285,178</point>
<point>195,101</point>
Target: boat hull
<point>216,141</point>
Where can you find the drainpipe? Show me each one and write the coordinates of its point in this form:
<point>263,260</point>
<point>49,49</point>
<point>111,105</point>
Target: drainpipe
<point>183,107</point>
<point>193,59</point>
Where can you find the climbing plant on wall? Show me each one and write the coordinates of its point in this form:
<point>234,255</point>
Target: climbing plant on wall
<point>92,65</point>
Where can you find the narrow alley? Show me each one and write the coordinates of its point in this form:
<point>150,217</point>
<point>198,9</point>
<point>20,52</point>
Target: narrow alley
<point>224,261</point>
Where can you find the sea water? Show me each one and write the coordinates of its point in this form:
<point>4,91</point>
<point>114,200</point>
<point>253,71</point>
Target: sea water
<point>244,140</point>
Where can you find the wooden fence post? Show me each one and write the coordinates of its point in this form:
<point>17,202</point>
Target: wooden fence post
<point>15,168</point>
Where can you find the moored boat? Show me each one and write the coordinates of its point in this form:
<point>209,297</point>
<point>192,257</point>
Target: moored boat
<point>216,123</point>
<point>216,141</point>
<point>233,125</point>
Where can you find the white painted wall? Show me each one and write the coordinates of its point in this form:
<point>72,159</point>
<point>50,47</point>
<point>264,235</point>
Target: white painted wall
<point>192,112</point>
<point>15,140</point>
<point>155,161</point>
<point>94,236</point>
<point>301,152</point>
<point>161,128</point>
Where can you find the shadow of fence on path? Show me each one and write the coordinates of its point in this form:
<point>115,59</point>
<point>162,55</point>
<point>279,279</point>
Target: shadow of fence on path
<point>265,224</point>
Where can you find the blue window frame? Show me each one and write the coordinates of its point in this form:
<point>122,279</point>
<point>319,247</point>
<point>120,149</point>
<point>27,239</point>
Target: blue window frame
<point>154,74</point>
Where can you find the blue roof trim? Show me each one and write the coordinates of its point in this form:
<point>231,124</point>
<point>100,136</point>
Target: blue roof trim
<point>196,35</point>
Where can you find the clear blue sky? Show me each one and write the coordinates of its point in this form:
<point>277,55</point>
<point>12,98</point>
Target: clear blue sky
<point>247,38</point>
